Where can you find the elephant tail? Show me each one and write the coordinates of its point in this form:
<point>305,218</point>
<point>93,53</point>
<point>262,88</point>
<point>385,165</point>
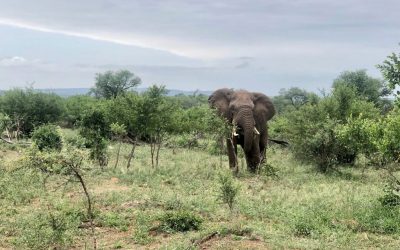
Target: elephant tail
<point>280,142</point>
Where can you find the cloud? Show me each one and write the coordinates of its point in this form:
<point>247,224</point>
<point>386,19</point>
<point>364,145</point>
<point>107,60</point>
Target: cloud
<point>13,61</point>
<point>208,29</point>
<point>190,44</point>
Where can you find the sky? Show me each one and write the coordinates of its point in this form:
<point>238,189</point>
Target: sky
<point>259,45</point>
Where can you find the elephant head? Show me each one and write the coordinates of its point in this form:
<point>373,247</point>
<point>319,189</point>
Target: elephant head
<point>249,113</point>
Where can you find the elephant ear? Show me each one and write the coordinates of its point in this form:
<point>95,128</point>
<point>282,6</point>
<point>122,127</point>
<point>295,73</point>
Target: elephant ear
<point>264,110</point>
<point>220,100</point>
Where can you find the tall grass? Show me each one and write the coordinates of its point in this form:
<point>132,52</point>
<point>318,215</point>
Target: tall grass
<point>297,207</point>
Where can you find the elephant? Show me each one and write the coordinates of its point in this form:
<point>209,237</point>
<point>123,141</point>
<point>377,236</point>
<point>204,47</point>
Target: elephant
<point>249,113</point>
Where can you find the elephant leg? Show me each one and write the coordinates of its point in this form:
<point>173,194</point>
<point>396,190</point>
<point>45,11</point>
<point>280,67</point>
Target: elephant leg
<point>232,154</point>
<point>263,146</point>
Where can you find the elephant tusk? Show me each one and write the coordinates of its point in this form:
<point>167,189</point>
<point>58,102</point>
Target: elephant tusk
<point>256,131</point>
<point>234,132</point>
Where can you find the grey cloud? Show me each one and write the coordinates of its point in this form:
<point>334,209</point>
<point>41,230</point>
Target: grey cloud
<point>264,45</point>
<point>208,28</point>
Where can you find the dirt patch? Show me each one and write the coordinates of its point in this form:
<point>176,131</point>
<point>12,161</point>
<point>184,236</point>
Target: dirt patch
<point>9,156</point>
<point>231,242</point>
<point>111,185</point>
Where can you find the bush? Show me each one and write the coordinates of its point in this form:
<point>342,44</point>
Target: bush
<point>391,198</point>
<point>47,137</point>
<point>95,130</point>
<point>331,132</point>
<point>388,137</point>
<point>379,219</point>
<point>358,135</point>
<point>311,134</point>
<point>29,108</point>
<point>44,230</point>
<point>180,221</point>
<point>114,220</point>
<point>228,190</point>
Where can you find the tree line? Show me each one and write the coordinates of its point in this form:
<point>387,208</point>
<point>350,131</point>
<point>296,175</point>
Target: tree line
<point>329,128</point>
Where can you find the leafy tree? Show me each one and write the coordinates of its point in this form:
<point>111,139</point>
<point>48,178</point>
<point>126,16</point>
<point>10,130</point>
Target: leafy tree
<point>387,137</point>
<point>124,110</point>
<point>28,109</point>
<point>370,88</point>
<point>390,69</point>
<point>75,107</point>
<point>313,129</point>
<point>94,128</point>
<point>293,98</point>
<point>155,118</point>
<point>111,84</point>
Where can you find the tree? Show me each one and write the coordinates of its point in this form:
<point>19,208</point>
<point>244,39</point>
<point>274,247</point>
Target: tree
<point>155,118</point>
<point>95,129</point>
<point>124,110</point>
<point>293,98</point>
<point>119,131</point>
<point>29,109</point>
<point>370,88</point>
<point>111,84</point>
<point>75,107</point>
<point>390,69</point>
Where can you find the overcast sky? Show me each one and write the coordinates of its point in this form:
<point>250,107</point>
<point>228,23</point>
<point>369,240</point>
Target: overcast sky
<point>260,45</point>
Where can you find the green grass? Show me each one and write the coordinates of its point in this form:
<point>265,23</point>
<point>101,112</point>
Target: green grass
<point>294,207</point>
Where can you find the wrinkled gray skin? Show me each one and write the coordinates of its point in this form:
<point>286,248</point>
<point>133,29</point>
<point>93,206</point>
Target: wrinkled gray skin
<point>247,111</point>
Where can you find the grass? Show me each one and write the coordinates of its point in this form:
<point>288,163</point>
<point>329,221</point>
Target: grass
<point>293,208</point>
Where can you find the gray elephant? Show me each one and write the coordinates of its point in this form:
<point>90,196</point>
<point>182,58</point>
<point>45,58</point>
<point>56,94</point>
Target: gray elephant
<point>249,113</point>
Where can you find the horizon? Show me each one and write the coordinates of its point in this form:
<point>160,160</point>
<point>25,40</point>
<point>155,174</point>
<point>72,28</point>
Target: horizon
<point>189,45</point>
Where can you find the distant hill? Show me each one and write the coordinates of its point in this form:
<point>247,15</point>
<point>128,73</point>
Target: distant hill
<point>65,92</point>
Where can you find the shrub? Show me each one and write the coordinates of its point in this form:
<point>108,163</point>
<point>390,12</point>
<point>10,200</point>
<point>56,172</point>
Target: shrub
<point>388,137</point>
<point>47,137</point>
<point>180,221</point>
<point>311,134</point>
<point>391,198</point>
<point>228,190</point>
<point>44,230</point>
<point>143,223</point>
<point>28,108</point>
<point>332,131</point>
<point>358,135</point>
<point>95,130</point>
<point>114,220</point>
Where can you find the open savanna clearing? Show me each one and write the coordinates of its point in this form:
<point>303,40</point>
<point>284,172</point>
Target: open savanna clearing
<point>288,205</point>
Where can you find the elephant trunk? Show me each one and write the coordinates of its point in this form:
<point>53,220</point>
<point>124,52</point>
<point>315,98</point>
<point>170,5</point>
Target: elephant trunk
<point>246,122</point>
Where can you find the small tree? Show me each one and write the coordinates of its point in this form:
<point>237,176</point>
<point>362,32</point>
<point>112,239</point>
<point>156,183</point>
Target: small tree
<point>76,106</point>
<point>367,87</point>
<point>124,110</point>
<point>390,69</point>
<point>47,137</point>
<point>69,163</point>
<point>95,130</point>
<point>155,118</point>
<point>228,190</point>
<point>112,84</point>
<point>119,132</point>
<point>28,109</point>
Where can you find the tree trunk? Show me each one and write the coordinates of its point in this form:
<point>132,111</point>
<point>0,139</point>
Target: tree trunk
<point>118,151</point>
<point>152,151</point>
<point>158,150</point>
<point>131,154</point>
